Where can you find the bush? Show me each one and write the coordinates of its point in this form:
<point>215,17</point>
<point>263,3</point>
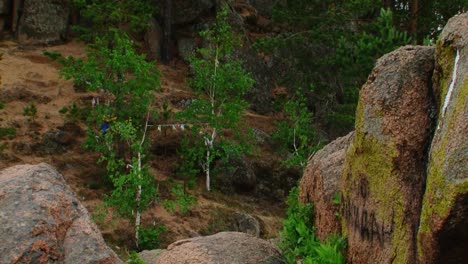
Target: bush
<point>30,111</point>
<point>148,238</point>
<point>183,200</point>
<point>298,240</point>
<point>74,113</point>
<point>133,258</point>
<point>8,132</point>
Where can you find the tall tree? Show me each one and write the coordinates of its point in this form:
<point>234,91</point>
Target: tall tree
<point>167,53</point>
<point>220,81</point>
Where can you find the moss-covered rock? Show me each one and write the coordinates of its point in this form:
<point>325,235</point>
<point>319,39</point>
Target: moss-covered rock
<point>443,231</point>
<point>384,172</point>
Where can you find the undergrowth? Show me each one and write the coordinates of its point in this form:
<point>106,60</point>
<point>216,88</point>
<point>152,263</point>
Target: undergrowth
<point>298,240</point>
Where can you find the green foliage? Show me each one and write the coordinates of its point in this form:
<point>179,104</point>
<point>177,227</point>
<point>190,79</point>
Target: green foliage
<point>2,105</point>
<point>149,237</point>
<point>30,111</point>
<point>296,133</point>
<point>74,113</point>
<point>7,132</point>
<point>128,176</point>
<point>220,83</point>
<point>332,45</point>
<point>182,200</point>
<point>190,153</point>
<point>125,81</point>
<point>133,258</point>
<point>105,15</point>
<point>298,240</point>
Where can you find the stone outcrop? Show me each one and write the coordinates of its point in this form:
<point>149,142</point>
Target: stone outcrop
<point>320,185</point>
<point>246,223</point>
<point>443,232</point>
<point>41,221</point>
<point>384,172</point>
<point>43,21</point>
<point>150,256</point>
<point>221,248</point>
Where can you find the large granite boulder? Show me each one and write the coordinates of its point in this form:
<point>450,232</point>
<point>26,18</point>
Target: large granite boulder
<point>43,21</point>
<point>41,221</point>
<point>321,183</point>
<point>221,248</point>
<point>443,232</point>
<point>385,168</point>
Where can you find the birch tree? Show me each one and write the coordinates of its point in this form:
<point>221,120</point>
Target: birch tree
<point>220,82</point>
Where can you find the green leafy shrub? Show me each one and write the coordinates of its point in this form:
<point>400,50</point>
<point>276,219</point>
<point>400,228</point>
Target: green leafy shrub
<point>190,153</point>
<point>298,240</point>
<point>7,132</point>
<point>295,132</point>
<point>183,200</point>
<point>148,238</point>
<point>133,258</point>
<point>74,113</point>
<point>30,112</point>
<point>220,82</point>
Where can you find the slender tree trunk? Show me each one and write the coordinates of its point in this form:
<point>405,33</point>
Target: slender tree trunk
<point>209,142</point>
<point>208,163</point>
<point>389,4</point>
<point>414,10</point>
<point>139,190</point>
<point>138,200</point>
<point>15,10</point>
<point>166,53</point>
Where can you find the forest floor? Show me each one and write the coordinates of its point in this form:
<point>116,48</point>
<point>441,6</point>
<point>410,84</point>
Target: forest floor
<point>29,77</point>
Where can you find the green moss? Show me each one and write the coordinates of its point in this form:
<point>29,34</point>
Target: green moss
<point>441,192</point>
<point>367,157</point>
<point>446,57</point>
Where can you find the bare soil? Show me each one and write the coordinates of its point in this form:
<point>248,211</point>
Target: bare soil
<point>29,77</point>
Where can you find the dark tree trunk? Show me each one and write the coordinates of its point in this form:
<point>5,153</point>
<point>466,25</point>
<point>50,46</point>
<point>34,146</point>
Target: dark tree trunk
<point>414,12</point>
<point>166,52</point>
<point>389,4</point>
<point>15,15</point>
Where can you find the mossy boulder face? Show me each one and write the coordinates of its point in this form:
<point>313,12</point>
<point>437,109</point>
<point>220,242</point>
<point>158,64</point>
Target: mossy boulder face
<point>384,172</point>
<point>320,185</point>
<point>443,231</point>
<point>43,21</point>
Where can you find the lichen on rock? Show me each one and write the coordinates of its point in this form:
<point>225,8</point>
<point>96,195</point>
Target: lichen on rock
<point>384,172</point>
<point>443,231</point>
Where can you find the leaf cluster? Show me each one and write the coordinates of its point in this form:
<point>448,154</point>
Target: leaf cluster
<point>182,200</point>
<point>30,111</point>
<point>298,240</point>
<point>295,132</point>
<point>107,15</point>
<point>149,237</point>
<point>220,82</point>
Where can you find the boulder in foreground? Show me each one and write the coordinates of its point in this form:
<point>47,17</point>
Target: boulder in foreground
<point>221,248</point>
<point>41,221</point>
